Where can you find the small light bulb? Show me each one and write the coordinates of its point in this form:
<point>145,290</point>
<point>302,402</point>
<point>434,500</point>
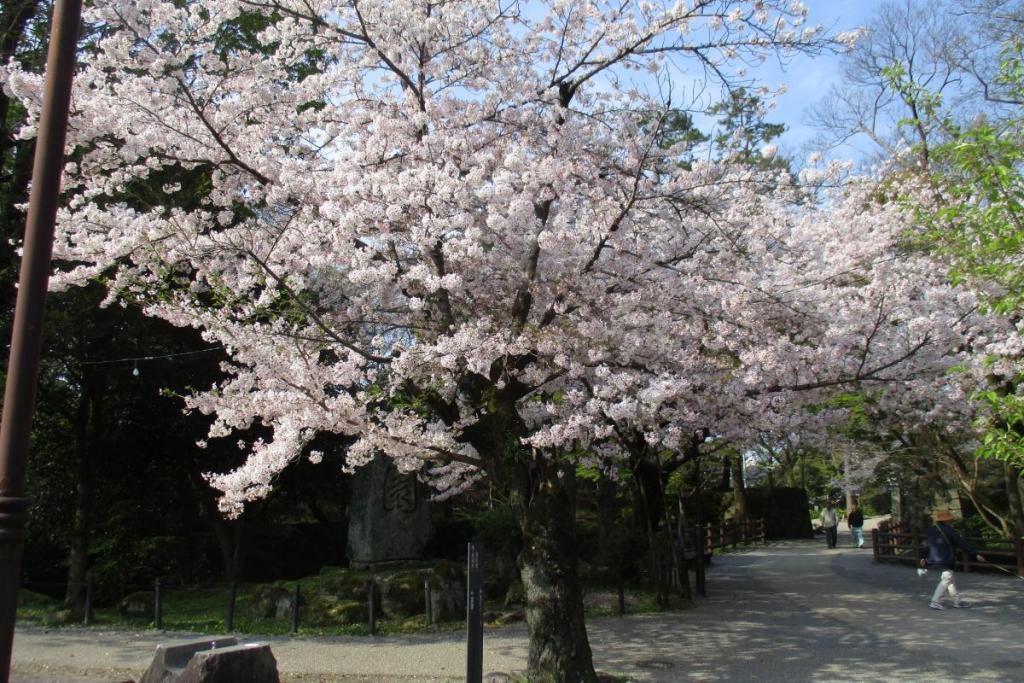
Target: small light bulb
<point>135,371</point>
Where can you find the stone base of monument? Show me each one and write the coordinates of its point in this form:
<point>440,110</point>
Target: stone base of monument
<point>212,661</point>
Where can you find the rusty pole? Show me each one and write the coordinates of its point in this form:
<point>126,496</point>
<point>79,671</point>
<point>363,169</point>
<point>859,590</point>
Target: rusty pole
<point>26,337</point>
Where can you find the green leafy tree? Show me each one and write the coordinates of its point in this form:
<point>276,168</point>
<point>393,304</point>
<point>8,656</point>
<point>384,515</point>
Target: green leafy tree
<point>745,136</point>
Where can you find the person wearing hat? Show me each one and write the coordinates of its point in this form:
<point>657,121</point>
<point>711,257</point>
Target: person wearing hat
<point>938,551</point>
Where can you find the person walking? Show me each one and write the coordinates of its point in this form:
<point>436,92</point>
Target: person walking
<point>938,551</point>
<point>830,523</point>
<point>855,520</point>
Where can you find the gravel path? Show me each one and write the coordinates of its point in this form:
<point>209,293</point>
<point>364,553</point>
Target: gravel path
<point>790,611</point>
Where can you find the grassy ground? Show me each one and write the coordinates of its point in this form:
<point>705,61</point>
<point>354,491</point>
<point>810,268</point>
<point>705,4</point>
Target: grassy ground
<point>204,610</point>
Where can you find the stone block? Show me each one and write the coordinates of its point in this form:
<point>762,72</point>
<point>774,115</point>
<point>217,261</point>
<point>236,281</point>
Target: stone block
<point>447,600</point>
<point>390,515</point>
<point>252,663</point>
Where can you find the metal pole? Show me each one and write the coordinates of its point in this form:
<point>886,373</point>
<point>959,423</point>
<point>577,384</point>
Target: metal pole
<point>26,336</point>
<point>158,606</point>
<point>474,615</point>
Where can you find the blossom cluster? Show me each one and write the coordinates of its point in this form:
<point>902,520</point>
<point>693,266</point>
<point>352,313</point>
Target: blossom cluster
<point>412,216</point>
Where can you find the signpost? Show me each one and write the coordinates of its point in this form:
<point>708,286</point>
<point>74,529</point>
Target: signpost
<point>474,615</point>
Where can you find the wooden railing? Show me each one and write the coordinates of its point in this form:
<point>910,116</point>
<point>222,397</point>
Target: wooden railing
<point>898,542</point>
<point>734,534</point>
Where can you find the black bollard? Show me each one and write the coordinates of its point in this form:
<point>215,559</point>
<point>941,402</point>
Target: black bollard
<point>699,548</point>
<point>622,595</point>
<point>158,607</point>
<point>87,620</point>
<point>295,610</point>
<point>371,601</point>
<point>428,603</point>
<point>229,622</point>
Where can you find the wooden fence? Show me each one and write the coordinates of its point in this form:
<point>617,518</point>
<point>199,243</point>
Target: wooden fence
<point>897,542</point>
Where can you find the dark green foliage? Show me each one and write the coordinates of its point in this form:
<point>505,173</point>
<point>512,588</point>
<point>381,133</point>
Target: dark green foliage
<point>785,511</point>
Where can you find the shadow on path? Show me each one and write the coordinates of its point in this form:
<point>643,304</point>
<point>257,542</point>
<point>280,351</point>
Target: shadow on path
<point>790,611</point>
<point>795,611</point>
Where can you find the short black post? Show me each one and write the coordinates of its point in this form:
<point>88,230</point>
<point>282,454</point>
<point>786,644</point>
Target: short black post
<point>701,586</point>
<point>295,610</point>
<point>158,606</point>
<point>371,603</point>
<point>87,619</point>
<point>622,595</point>
<point>229,622</point>
<point>474,615</point>
<point>428,603</point>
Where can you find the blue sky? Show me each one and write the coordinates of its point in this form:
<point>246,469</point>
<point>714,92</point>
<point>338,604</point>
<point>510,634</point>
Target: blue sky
<point>807,79</point>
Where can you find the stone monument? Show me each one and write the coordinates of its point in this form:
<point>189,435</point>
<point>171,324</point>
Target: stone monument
<point>389,515</point>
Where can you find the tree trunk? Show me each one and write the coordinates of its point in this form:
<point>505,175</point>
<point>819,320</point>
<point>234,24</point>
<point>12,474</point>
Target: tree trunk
<point>230,534</point>
<point>643,499</point>
<point>87,429</point>
<point>559,649</point>
<point>739,490</point>
<point>607,511</point>
<point>846,483</point>
<point>1012,475</point>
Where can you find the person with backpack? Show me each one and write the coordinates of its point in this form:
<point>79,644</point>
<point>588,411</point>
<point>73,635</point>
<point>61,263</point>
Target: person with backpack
<point>938,551</point>
<point>855,520</point>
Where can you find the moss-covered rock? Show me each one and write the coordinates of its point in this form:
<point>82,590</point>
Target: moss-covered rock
<point>138,605</point>
<point>516,594</point>
<point>64,617</point>
<point>402,594</point>
<point>27,598</point>
<point>343,583</point>
<point>446,570</point>
<point>330,610</point>
<point>330,570</point>
<point>270,601</point>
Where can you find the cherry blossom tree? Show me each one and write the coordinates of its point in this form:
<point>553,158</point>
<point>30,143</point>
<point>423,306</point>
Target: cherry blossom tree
<point>451,229</point>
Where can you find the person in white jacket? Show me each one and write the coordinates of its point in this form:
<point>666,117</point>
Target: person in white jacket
<point>830,523</point>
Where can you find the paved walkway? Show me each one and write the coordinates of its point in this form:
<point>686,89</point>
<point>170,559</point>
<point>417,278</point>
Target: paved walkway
<point>790,611</point>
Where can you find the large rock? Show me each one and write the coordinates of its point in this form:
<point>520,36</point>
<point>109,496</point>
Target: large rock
<point>251,663</point>
<point>389,518</point>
